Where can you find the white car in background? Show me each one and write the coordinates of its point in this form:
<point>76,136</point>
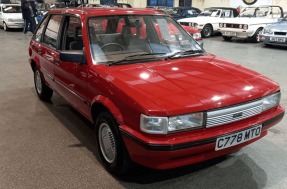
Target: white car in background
<point>250,22</point>
<point>11,16</point>
<point>208,20</point>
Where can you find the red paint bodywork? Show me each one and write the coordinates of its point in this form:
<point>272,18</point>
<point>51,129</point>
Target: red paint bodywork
<point>173,87</point>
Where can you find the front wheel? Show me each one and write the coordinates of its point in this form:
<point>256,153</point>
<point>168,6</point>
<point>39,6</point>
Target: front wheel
<point>207,31</point>
<point>43,91</point>
<point>227,38</point>
<point>255,37</point>
<point>5,27</point>
<point>111,146</point>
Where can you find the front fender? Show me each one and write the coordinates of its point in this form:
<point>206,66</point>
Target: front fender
<point>107,103</point>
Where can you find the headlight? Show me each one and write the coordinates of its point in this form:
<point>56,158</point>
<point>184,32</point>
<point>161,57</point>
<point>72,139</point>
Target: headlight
<point>194,25</point>
<point>245,26</point>
<point>196,35</point>
<point>10,20</point>
<point>271,101</point>
<point>220,25</point>
<point>267,31</point>
<point>164,125</point>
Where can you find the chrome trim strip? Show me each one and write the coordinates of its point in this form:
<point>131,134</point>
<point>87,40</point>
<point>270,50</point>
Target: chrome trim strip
<point>46,73</point>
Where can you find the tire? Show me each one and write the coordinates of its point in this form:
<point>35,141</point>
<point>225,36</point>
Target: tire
<point>44,92</point>
<point>5,27</point>
<point>227,38</point>
<point>110,145</point>
<point>255,37</point>
<point>207,31</point>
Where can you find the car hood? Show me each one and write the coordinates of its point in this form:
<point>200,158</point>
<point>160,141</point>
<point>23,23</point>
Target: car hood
<point>280,26</point>
<point>250,21</point>
<point>200,19</point>
<point>183,85</point>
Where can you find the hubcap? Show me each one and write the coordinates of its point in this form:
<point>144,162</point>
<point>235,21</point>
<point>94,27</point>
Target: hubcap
<point>207,31</point>
<point>107,143</point>
<point>38,82</point>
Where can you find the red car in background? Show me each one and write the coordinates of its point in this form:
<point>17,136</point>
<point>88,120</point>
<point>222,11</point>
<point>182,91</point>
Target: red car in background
<point>154,95</point>
<point>194,33</point>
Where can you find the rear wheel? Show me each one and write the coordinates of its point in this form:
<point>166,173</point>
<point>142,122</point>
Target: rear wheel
<point>111,146</point>
<point>255,37</point>
<point>227,38</point>
<point>207,31</point>
<point>43,91</point>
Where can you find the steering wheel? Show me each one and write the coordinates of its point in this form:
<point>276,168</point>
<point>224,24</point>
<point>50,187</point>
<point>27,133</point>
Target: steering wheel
<point>112,44</point>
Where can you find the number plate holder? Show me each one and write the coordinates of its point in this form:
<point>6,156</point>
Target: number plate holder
<point>231,34</point>
<point>277,39</point>
<point>238,138</point>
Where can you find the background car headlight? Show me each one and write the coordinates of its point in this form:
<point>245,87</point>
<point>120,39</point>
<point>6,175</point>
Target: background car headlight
<point>245,26</point>
<point>194,25</point>
<point>271,101</point>
<point>196,36</point>
<point>267,31</point>
<point>164,125</point>
<point>220,25</point>
<point>10,20</point>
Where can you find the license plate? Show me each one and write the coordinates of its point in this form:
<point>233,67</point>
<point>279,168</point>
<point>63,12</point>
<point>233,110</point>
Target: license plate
<point>278,39</point>
<point>230,33</point>
<point>238,138</point>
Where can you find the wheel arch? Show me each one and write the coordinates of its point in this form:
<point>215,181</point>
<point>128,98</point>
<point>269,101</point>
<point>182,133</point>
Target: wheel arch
<point>34,63</point>
<point>101,103</point>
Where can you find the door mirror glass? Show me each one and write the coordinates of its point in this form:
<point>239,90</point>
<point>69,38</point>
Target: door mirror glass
<point>73,56</point>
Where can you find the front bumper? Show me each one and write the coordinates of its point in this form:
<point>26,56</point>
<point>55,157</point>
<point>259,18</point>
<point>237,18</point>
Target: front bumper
<point>15,24</point>
<point>236,33</point>
<point>165,152</point>
<point>274,40</point>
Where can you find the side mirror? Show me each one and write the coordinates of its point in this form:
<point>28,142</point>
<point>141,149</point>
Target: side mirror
<point>73,56</point>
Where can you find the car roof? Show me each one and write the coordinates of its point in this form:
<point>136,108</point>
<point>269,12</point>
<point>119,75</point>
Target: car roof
<point>227,8</point>
<point>103,11</point>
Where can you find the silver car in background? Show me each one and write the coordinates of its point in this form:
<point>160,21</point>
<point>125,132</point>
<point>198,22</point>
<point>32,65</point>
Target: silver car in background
<point>11,16</point>
<point>275,34</point>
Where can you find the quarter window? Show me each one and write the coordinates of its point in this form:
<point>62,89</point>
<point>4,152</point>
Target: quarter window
<point>52,31</point>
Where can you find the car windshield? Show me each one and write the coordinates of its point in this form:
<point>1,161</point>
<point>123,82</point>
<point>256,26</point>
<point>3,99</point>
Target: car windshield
<point>130,37</point>
<point>11,9</point>
<point>211,13</point>
<point>254,12</point>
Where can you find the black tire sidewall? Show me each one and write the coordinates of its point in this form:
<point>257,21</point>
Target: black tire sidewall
<point>211,31</point>
<point>120,165</point>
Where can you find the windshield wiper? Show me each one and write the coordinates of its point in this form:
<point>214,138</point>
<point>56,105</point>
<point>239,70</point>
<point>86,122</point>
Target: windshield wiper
<point>134,57</point>
<point>183,53</point>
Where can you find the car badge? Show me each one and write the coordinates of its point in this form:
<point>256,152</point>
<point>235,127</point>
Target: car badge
<point>237,115</point>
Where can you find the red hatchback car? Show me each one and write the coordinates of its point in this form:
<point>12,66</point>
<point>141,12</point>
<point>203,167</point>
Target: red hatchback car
<point>155,96</point>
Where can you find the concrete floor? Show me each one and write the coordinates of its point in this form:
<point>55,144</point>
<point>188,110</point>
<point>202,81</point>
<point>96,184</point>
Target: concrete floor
<point>49,145</point>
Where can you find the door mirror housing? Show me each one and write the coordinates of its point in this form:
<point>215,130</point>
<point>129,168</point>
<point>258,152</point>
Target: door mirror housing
<point>73,56</point>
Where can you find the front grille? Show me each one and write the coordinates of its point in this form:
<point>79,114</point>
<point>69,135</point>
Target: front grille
<point>232,25</point>
<point>280,33</point>
<point>232,114</point>
<point>184,23</point>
